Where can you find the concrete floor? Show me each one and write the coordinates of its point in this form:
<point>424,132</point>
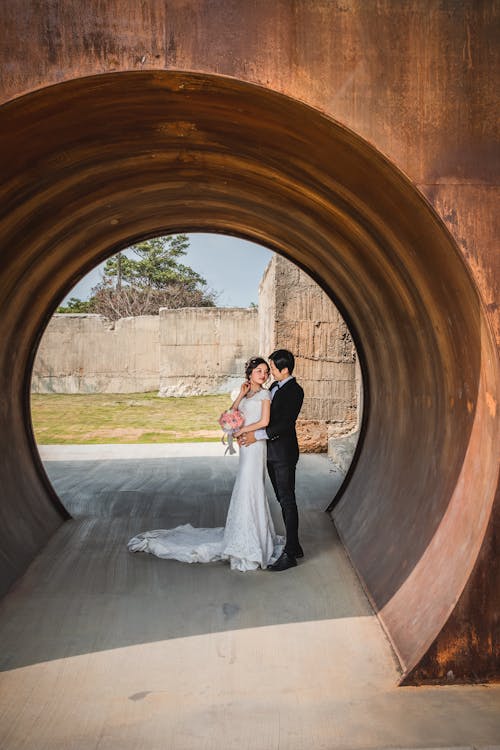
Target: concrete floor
<point>106,650</point>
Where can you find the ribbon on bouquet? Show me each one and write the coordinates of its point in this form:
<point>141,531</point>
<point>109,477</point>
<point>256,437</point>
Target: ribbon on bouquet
<point>229,436</point>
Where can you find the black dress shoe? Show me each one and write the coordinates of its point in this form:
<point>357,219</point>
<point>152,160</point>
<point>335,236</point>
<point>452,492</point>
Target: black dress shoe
<point>283,562</point>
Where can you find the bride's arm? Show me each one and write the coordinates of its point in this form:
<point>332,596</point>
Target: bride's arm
<point>245,387</point>
<point>263,421</point>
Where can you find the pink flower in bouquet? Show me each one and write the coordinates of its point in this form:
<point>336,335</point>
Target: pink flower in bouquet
<point>231,421</point>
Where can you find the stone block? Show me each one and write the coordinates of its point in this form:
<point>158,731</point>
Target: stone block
<point>322,370</point>
<point>312,436</point>
<point>341,450</point>
<point>294,313</point>
<point>89,354</point>
<point>204,350</point>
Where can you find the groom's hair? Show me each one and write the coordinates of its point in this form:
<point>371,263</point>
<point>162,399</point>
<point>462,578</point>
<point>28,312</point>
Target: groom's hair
<point>283,358</point>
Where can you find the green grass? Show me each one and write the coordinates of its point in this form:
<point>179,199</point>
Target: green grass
<point>125,418</point>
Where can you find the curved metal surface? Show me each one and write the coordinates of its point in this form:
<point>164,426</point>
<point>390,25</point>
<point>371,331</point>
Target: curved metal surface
<point>93,163</point>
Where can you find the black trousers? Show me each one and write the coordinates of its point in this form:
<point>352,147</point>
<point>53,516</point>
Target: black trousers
<point>282,478</point>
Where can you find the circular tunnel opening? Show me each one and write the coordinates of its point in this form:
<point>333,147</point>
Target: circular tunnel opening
<point>151,345</point>
<point>95,163</point>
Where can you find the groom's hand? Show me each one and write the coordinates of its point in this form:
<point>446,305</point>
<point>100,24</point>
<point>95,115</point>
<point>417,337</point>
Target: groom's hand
<point>247,439</point>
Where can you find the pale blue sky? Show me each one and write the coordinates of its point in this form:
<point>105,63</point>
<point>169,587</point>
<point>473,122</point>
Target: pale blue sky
<point>232,267</point>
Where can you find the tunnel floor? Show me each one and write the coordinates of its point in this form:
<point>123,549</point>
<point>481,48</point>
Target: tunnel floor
<point>105,649</point>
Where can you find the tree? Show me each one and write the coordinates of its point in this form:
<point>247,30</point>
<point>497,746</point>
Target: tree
<point>75,305</point>
<point>152,279</point>
<point>156,265</point>
<point>142,284</point>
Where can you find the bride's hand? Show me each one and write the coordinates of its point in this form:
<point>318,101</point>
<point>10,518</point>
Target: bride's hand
<point>245,387</point>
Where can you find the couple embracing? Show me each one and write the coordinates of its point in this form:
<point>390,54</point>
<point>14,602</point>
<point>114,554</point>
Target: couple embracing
<point>248,540</point>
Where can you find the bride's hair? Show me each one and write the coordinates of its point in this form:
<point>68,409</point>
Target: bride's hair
<point>252,363</point>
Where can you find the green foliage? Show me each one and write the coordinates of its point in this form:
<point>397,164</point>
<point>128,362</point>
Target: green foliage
<point>152,278</point>
<point>155,266</point>
<point>75,305</point>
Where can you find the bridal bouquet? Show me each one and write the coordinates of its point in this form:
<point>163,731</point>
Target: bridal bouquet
<point>230,421</point>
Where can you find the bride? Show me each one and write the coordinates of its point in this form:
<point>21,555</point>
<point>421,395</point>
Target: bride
<point>248,540</point>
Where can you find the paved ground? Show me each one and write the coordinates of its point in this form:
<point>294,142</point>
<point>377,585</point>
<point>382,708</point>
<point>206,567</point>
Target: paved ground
<point>104,650</point>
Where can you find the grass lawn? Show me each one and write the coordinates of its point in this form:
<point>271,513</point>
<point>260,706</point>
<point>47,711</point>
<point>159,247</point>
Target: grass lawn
<point>126,418</point>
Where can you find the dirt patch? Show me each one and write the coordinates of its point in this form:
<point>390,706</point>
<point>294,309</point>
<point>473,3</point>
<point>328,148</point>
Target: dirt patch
<point>136,432</point>
<point>198,433</point>
<point>113,432</point>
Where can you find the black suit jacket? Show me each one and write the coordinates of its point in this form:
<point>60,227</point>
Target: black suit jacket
<point>282,445</point>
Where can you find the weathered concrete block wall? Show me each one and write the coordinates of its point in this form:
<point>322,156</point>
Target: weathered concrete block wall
<point>204,349</point>
<point>88,354</point>
<point>294,313</point>
<point>190,351</point>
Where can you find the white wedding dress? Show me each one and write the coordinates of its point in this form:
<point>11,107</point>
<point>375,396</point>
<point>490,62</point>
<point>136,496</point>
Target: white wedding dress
<point>248,540</point>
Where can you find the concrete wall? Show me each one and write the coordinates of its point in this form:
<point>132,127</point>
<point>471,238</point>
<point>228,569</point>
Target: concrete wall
<point>195,351</point>
<point>88,354</point>
<point>179,352</point>
<point>295,314</point>
<point>204,349</point>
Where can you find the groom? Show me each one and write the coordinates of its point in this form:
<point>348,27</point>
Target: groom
<point>283,449</point>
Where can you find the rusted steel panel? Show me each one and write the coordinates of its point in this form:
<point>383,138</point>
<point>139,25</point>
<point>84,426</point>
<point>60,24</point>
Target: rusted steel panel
<point>207,153</point>
<point>468,648</point>
<point>51,41</point>
<point>410,76</point>
<point>471,214</point>
<point>415,79</point>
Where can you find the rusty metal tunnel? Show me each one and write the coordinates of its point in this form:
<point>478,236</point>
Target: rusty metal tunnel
<point>94,163</point>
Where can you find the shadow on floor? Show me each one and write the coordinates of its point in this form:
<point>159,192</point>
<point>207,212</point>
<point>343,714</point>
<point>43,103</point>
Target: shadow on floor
<point>85,592</point>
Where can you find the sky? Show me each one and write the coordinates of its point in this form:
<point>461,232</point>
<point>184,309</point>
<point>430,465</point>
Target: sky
<point>232,267</point>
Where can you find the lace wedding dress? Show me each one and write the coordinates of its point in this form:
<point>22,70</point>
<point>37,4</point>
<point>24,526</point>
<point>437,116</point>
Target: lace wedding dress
<point>248,540</point>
